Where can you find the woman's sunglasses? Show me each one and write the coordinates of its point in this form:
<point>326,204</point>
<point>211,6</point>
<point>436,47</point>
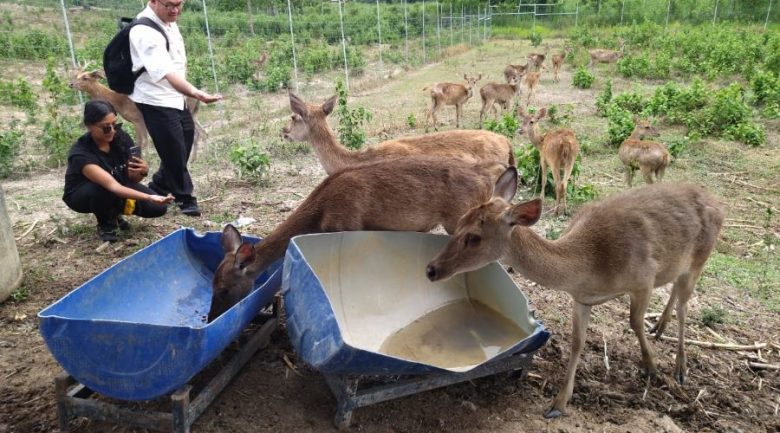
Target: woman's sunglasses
<point>107,128</point>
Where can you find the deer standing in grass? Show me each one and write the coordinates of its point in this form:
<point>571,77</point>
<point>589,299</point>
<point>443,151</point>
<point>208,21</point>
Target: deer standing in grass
<point>450,94</point>
<point>308,123</point>
<point>414,194</point>
<point>629,243</point>
<point>88,82</point>
<point>650,157</point>
<point>557,61</point>
<point>531,81</point>
<point>537,60</point>
<point>511,71</point>
<point>600,55</point>
<point>558,149</point>
<point>501,94</point>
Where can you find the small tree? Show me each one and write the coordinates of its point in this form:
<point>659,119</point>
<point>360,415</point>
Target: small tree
<point>351,121</point>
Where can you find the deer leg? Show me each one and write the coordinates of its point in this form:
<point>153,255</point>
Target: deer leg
<point>684,284</point>
<point>579,327</point>
<point>660,326</point>
<point>659,173</point>
<point>544,177</point>
<point>482,112</point>
<point>647,173</point>
<point>141,134</point>
<point>639,302</point>
<point>629,175</point>
<point>458,112</point>
<point>560,192</point>
<point>432,113</point>
<point>566,176</point>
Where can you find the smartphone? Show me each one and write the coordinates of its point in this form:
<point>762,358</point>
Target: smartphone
<point>135,151</point>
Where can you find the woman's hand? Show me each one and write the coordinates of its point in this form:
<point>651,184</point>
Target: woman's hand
<point>137,169</point>
<point>159,199</point>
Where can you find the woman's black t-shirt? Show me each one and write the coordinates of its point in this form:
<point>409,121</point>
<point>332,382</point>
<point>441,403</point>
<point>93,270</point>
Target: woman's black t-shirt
<point>85,151</point>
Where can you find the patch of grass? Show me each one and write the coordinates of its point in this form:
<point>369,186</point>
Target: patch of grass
<point>713,315</point>
<point>757,278</point>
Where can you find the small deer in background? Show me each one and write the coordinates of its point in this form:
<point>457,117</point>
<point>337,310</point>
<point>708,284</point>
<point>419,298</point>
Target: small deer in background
<point>628,243</point>
<point>532,81</point>
<point>558,149</point>
<point>515,71</point>
<point>404,194</point>
<point>495,93</point>
<point>650,157</point>
<point>536,60</point>
<point>309,123</point>
<point>451,94</point>
<point>88,82</point>
<point>557,61</point>
<point>600,55</point>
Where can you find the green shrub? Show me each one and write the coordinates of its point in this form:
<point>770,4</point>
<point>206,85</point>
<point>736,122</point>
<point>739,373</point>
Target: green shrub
<point>251,161</point>
<point>677,146</point>
<point>766,92</point>
<point>59,89</point>
<point>507,125</point>
<point>713,315</point>
<point>10,143</point>
<point>621,123</point>
<point>411,120</point>
<point>536,39</point>
<point>58,134</point>
<point>583,78</point>
<point>630,101</point>
<point>749,133</point>
<point>19,93</point>
<point>604,98</point>
<point>351,121</point>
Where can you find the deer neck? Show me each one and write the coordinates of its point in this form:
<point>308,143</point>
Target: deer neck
<point>333,155</point>
<point>548,263</point>
<point>536,139</point>
<point>635,136</point>
<point>273,246</point>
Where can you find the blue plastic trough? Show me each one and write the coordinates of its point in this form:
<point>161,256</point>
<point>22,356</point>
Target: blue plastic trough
<point>345,294</point>
<point>138,330</point>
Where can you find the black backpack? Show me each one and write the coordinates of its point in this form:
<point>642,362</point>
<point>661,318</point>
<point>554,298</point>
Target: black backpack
<point>117,63</point>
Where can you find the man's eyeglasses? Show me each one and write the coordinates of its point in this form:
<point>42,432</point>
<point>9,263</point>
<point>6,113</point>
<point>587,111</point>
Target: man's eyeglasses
<point>170,6</point>
<point>107,128</point>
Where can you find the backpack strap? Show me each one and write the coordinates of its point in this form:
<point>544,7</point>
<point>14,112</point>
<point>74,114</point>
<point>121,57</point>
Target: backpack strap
<point>146,21</point>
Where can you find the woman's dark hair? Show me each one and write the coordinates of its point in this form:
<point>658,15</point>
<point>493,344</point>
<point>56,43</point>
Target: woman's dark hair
<point>95,110</point>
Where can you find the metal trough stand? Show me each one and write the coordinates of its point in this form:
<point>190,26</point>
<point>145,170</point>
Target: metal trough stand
<point>346,388</point>
<point>73,401</point>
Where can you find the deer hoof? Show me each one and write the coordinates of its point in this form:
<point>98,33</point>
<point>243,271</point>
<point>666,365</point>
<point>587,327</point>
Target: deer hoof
<point>553,413</point>
<point>679,375</point>
<point>649,373</point>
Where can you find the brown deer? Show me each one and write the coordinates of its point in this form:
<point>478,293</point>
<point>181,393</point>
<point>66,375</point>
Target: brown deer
<point>518,71</point>
<point>537,60</point>
<point>308,123</point>
<point>413,194</point>
<point>600,55</point>
<point>450,94</point>
<point>650,157</point>
<point>629,243</point>
<point>557,61</point>
<point>558,149</point>
<point>88,82</point>
<point>532,81</point>
<point>495,93</point>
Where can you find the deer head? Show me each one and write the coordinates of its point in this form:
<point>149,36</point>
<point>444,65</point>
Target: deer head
<point>471,82</point>
<point>84,79</point>
<point>304,116</point>
<point>643,128</point>
<point>231,282</point>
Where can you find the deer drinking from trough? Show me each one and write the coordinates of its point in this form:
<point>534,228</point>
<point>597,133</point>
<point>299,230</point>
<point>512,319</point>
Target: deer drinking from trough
<point>558,149</point>
<point>650,157</point>
<point>557,62</point>
<point>600,55</point>
<point>413,194</point>
<point>497,93</point>
<point>450,94</point>
<point>308,123</point>
<point>629,243</point>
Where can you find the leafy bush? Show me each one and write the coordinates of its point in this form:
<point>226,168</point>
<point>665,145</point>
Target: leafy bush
<point>10,143</point>
<point>58,134</point>
<point>713,315</point>
<point>536,39</point>
<point>560,114</point>
<point>604,99</point>
<point>677,146</point>
<point>251,161</point>
<point>749,133</point>
<point>411,120</point>
<point>59,89</point>
<point>506,126</point>
<point>621,124</point>
<point>351,121</point>
<point>583,78</point>
<point>766,92</point>
<point>19,93</point>
<point>630,101</point>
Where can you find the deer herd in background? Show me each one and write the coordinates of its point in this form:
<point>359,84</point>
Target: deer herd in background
<point>464,181</point>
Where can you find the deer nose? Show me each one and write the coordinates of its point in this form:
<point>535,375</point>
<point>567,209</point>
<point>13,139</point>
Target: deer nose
<point>430,272</point>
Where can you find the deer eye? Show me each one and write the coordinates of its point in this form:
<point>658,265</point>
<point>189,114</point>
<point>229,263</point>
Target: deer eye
<point>472,240</point>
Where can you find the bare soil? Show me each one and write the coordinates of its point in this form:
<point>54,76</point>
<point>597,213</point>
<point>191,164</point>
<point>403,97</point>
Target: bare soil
<point>723,394</point>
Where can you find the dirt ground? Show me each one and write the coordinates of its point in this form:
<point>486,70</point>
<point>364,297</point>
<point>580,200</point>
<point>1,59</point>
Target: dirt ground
<point>276,392</point>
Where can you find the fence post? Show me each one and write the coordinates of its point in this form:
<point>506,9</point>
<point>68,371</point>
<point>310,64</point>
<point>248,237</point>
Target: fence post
<point>379,33</point>
<point>768,9</point>
<point>70,42</point>
<point>451,41</point>
<point>668,8</point>
<point>622,9</point>
<point>425,47</point>
<point>462,22</point>
<point>406,36</point>
<point>344,47</point>
<point>292,41</point>
<point>577,14</point>
<point>533,26</point>
<point>211,49</point>
<point>715,15</point>
<point>438,28</point>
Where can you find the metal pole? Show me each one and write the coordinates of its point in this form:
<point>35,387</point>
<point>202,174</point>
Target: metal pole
<point>768,9</point>
<point>668,8</point>
<point>70,43</point>
<point>471,25</point>
<point>715,15</point>
<point>211,49</point>
<point>344,47</point>
<point>462,22</point>
<point>621,12</point>
<point>406,36</point>
<point>488,18</point>
<point>577,16</point>
<point>438,28</point>
<point>533,26</point>
<point>451,41</point>
<point>379,32</point>
<point>292,41</point>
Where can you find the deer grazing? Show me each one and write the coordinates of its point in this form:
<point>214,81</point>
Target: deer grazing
<point>495,93</point>
<point>88,82</point>
<point>308,123</point>
<point>515,71</point>
<point>650,157</point>
<point>450,94</point>
<point>537,60</point>
<point>629,243</point>
<point>414,194</point>
<point>600,55</point>
<point>558,149</point>
<point>532,81</point>
<point>557,61</point>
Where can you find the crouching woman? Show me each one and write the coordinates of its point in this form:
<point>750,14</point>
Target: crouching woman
<point>104,171</point>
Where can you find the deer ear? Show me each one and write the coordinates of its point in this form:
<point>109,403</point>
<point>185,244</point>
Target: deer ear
<point>506,185</point>
<point>521,112</point>
<point>327,107</point>
<point>245,255</point>
<point>97,74</point>
<point>524,214</point>
<point>231,239</point>
<point>298,106</point>
<point>542,113</point>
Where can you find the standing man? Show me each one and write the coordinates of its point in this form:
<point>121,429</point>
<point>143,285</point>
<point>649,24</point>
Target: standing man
<point>160,95</point>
